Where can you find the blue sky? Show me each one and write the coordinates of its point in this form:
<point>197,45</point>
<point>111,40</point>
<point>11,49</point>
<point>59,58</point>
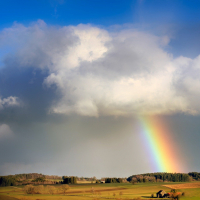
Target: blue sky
<point>99,12</point>
<point>76,75</point>
<point>158,16</point>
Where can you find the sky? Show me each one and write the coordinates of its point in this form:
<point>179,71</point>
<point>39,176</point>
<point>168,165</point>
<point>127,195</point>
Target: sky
<point>78,78</point>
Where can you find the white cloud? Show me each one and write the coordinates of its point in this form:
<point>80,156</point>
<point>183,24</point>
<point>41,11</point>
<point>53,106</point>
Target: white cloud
<point>102,73</point>
<point>187,82</point>
<point>5,131</point>
<point>134,75</point>
<point>9,101</point>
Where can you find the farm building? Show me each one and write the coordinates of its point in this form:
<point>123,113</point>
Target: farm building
<point>161,194</point>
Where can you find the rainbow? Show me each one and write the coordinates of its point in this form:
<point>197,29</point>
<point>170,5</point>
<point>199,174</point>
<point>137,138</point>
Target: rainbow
<point>161,148</point>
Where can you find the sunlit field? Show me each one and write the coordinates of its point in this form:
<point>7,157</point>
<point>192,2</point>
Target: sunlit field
<point>103,191</point>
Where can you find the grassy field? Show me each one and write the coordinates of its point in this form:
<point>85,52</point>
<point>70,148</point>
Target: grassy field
<point>83,182</point>
<point>103,191</point>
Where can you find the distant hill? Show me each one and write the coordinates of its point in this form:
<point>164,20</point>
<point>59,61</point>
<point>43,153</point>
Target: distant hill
<point>31,178</point>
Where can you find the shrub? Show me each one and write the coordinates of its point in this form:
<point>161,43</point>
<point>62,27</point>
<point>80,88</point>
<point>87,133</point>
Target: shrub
<point>29,189</point>
<point>51,189</point>
<point>64,188</point>
<point>39,189</point>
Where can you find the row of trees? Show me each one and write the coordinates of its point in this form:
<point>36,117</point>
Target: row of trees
<point>113,180</point>
<point>30,189</point>
<point>69,180</point>
<point>87,179</point>
<point>28,176</point>
<point>35,176</point>
<point>7,180</point>
<point>148,177</point>
<point>13,180</point>
<point>160,177</point>
<point>39,179</point>
<point>53,177</point>
<point>16,179</point>
<point>195,175</point>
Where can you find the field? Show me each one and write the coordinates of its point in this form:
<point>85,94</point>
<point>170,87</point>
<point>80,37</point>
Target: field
<point>184,185</point>
<point>104,191</point>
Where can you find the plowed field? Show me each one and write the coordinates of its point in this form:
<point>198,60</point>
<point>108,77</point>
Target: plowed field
<point>184,185</point>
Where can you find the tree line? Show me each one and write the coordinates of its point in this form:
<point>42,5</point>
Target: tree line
<point>113,180</point>
<point>140,178</point>
<point>8,180</point>
<point>69,180</point>
<point>35,176</point>
<point>195,175</point>
<point>29,176</point>
<point>160,177</point>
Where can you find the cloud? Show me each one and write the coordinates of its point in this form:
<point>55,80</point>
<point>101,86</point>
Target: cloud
<point>5,131</point>
<point>9,102</point>
<point>95,72</point>
<point>187,82</point>
<point>73,81</point>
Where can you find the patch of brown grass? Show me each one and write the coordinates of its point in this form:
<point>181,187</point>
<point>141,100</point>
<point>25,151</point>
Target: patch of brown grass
<point>183,186</point>
<point>97,190</point>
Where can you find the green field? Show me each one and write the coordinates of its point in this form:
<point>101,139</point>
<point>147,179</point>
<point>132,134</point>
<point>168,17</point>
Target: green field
<point>99,191</point>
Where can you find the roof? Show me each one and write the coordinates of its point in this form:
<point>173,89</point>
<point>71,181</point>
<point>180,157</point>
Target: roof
<point>161,191</point>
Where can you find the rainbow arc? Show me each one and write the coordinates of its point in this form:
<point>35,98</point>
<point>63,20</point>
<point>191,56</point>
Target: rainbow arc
<point>162,148</point>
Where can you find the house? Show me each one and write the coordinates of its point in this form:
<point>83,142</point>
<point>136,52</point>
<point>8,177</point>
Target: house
<point>161,194</point>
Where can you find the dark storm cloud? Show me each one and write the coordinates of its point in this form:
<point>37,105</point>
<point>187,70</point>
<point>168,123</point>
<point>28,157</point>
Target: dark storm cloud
<point>26,67</point>
<point>26,84</point>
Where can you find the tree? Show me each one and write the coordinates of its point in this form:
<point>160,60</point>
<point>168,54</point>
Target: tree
<point>134,180</point>
<point>69,180</point>
<point>39,179</point>
<point>29,189</point>
<point>51,189</point>
<point>65,188</point>
<point>39,189</point>
<point>7,180</point>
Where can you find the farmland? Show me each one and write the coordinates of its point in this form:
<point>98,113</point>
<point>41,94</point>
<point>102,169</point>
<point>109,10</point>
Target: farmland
<point>103,191</point>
